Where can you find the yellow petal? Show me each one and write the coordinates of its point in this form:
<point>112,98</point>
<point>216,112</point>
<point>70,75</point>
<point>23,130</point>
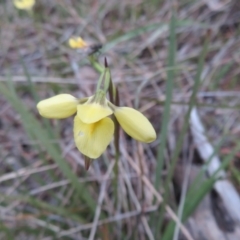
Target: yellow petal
<point>59,106</point>
<point>93,112</point>
<point>77,42</point>
<point>24,4</point>
<point>135,124</point>
<point>93,139</point>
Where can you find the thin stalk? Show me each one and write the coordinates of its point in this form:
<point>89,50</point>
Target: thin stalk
<point>167,105</point>
<point>192,103</point>
<point>166,113</point>
<point>95,64</point>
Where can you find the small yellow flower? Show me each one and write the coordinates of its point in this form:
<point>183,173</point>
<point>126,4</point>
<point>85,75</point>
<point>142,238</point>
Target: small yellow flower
<point>93,129</point>
<point>24,4</point>
<point>77,42</point>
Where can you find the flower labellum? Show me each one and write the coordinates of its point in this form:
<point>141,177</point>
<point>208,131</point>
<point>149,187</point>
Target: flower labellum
<point>93,139</point>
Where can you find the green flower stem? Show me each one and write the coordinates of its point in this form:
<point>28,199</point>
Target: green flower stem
<point>104,81</point>
<point>95,64</point>
<point>107,80</point>
<point>99,84</point>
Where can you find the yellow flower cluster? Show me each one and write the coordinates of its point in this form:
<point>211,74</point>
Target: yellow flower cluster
<point>93,128</point>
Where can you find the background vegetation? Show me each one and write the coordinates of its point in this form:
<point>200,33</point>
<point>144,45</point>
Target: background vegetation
<point>175,61</point>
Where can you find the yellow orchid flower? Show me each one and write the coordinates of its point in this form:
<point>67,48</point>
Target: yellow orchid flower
<point>93,129</point>
<point>24,4</point>
<point>77,42</point>
<point>80,44</point>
